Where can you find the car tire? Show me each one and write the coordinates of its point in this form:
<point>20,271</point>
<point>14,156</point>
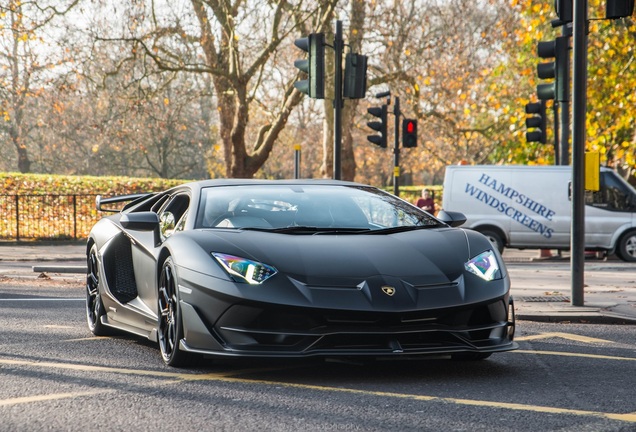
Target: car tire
<point>495,238</point>
<point>94,305</point>
<point>169,326</point>
<point>627,247</point>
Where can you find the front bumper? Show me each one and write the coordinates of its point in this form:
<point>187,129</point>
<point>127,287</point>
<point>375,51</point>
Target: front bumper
<point>263,330</point>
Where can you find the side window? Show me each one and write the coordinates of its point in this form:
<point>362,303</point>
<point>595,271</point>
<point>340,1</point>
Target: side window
<point>173,215</point>
<point>613,195</point>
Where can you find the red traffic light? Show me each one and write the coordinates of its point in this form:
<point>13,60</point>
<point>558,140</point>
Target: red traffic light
<point>409,133</point>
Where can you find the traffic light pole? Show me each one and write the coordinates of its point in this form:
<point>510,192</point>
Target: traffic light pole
<point>556,132</point>
<point>579,102</point>
<point>564,154</point>
<point>396,149</point>
<point>337,101</point>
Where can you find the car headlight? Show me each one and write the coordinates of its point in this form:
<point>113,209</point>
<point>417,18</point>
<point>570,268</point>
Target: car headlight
<point>252,272</point>
<point>484,265</point>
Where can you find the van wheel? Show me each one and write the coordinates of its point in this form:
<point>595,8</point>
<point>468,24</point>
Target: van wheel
<point>494,238</point>
<point>627,247</point>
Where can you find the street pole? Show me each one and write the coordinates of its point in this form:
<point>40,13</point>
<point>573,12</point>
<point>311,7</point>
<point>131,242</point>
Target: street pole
<point>396,149</point>
<point>337,101</point>
<point>297,161</point>
<point>579,103</point>
<point>556,132</point>
<point>564,154</point>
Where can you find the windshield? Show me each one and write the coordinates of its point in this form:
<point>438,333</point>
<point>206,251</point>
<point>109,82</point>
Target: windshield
<point>277,207</point>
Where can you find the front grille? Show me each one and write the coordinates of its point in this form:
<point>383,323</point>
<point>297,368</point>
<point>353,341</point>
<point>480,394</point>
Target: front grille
<point>314,330</point>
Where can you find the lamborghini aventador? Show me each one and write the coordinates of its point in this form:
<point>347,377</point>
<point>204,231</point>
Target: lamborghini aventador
<point>294,268</point>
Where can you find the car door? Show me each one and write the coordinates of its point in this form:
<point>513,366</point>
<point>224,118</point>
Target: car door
<point>172,214</point>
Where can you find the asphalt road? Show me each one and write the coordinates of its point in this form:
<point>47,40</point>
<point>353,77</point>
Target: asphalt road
<point>57,377</point>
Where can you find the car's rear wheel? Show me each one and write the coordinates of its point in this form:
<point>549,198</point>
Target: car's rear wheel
<point>170,326</point>
<point>94,306</point>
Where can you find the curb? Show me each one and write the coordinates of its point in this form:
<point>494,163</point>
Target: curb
<point>578,317</point>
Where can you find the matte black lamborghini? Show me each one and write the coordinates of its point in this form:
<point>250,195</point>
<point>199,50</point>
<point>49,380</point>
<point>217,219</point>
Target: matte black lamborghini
<point>295,268</point>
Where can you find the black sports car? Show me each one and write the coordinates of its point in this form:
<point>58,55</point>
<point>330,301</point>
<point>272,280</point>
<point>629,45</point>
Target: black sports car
<point>295,268</point>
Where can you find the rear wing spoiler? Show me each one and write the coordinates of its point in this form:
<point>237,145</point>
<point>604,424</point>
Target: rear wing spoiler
<point>100,201</point>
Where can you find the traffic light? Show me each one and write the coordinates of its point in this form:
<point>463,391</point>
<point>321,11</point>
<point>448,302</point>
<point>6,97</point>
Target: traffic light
<point>564,10</point>
<point>409,133</point>
<point>559,69</point>
<point>619,8</point>
<point>536,121</point>
<point>355,76</point>
<point>314,65</point>
<point>380,126</point>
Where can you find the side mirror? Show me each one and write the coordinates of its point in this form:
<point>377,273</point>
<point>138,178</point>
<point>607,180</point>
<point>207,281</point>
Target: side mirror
<point>452,218</point>
<point>142,221</point>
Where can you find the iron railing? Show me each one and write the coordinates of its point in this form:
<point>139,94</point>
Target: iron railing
<point>47,216</point>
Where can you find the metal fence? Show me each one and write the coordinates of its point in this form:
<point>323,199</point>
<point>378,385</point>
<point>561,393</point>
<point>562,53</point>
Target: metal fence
<point>47,217</point>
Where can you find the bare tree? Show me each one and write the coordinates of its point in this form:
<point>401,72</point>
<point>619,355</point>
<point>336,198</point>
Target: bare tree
<point>26,64</point>
<point>233,42</point>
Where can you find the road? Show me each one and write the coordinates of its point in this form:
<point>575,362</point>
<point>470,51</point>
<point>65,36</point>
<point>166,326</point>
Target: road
<point>56,376</point>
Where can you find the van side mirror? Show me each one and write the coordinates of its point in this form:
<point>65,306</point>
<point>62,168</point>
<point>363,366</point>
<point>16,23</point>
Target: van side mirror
<point>451,218</point>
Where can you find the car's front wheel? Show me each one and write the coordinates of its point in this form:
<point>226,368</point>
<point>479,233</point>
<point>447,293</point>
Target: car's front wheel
<point>627,247</point>
<point>94,306</point>
<point>170,326</point>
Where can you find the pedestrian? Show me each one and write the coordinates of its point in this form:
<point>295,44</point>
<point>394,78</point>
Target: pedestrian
<point>426,201</point>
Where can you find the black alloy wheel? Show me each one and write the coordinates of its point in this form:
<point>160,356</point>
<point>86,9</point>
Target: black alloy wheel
<point>170,330</point>
<point>94,306</point>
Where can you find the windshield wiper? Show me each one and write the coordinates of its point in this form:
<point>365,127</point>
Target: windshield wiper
<point>404,228</point>
<point>309,230</point>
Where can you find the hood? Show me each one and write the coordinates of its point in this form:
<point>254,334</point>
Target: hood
<point>420,257</point>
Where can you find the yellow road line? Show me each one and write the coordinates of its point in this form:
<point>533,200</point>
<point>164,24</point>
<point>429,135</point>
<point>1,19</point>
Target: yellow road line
<point>628,417</point>
<point>49,397</point>
<point>571,354</point>
<point>569,336</point>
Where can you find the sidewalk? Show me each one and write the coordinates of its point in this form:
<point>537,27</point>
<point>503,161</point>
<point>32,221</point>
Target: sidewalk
<point>541,287</point>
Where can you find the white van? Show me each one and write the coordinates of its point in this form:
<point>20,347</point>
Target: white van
<point>529,207</point>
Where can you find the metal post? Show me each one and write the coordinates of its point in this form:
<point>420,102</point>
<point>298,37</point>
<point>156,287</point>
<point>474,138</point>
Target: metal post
<point>297,161</point>
<point>337,101</point>
<point>579,102</point>
<point>396,149</point>
<point>556,132</point>
<point>564,154</point>
<point>75,216</point>
<point>17,217</point>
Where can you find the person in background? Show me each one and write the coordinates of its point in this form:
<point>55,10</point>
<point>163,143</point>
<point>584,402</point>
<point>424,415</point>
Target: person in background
<point>426,202</point>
